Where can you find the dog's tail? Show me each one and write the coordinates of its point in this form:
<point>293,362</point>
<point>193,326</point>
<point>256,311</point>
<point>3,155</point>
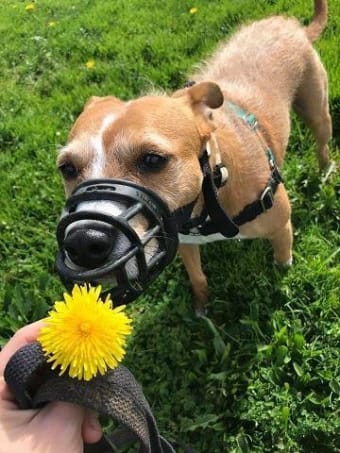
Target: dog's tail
<point>315,28</point>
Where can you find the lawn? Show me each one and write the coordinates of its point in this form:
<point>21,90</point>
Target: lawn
<point>261,372</point>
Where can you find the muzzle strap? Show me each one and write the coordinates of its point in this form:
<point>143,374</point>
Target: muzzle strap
<point>181,216</point>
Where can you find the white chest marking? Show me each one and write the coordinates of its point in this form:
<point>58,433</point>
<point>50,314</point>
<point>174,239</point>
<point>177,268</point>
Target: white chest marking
<point>98,162</point>
<point>196,239</point>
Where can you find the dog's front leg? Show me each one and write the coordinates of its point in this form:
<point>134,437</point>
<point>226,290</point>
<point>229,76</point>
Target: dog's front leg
<point>192,261</point>
<point>282,242</point>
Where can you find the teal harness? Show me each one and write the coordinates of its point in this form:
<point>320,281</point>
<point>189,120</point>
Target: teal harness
<point>266,198</point>
<point>248,118</point>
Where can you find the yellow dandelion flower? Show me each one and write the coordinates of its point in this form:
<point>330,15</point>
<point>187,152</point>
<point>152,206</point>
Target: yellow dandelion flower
<point>90,63</point>
<point>29,6</point>
<point>193,10</point>
<point>84,334</point>
<point>52,23</point>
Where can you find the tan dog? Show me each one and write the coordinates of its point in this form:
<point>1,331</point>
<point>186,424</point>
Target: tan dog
<point>266,69</point>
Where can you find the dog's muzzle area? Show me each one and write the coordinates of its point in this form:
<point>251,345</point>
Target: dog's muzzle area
<point>115,233</point>
<point>90,243</point>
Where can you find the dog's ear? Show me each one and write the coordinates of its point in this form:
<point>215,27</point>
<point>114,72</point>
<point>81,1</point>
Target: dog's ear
<point>90,102</point>
<point>95,99</point>
<point>206,93</point>
<point>202,95</point>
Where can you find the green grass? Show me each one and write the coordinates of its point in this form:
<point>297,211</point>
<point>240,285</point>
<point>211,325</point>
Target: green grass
<point>261,374</point>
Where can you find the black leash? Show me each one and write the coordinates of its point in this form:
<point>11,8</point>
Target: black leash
<point>116,395</point>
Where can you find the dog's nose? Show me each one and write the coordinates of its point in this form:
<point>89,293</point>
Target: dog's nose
<point>88,247</point>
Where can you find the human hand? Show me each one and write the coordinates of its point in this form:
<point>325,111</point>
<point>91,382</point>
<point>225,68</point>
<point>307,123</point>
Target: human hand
<point>57,427</point>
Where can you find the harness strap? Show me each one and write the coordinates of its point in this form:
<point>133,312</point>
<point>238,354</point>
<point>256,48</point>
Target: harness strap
<point>248,118</point>
<point>116,395</point>
<point>217,215</point>
<point>213,218</point>
<point>266,199</point>
<point>261,205</point>
<point>220,174</point>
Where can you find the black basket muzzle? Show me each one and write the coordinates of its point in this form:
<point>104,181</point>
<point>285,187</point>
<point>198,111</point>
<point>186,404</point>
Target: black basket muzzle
<point>116,233</point>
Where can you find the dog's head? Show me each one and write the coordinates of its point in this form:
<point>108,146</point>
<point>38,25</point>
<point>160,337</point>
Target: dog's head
<point>140,156</point>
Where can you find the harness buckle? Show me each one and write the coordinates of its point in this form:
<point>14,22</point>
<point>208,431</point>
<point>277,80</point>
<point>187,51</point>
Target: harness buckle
<point>267,199</point>
<point>271,159</point>
<point>220,175</point>
<point>251,120</point>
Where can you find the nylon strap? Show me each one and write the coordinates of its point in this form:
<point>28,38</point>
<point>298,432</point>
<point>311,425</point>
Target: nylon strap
<point>265,202</point>
<point>215,211</point>
<point>213,218</point>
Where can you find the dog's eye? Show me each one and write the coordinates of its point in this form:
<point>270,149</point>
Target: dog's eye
<point>152,162</point>
<point>68,170</point>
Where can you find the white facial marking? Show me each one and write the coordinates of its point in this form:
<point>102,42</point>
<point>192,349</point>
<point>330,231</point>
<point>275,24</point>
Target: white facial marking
<point>103,207</point>
<point>98,163</point>
<point>112,208</point>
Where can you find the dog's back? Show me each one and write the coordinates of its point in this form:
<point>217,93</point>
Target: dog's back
<point>270,54</point>
<point>268,67</point>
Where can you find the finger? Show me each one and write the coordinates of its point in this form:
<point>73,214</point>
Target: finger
<point>65,411</point>
<point>7,399</point>
<point>63,414</point>
<point>60,422</point>
<point>23,336</point>
<point>92,430</point>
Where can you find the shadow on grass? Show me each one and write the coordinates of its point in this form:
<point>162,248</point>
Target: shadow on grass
<point>195,371</point>
<point>232,377</point>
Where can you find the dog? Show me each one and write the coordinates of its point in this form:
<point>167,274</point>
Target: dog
<point>237,115</point>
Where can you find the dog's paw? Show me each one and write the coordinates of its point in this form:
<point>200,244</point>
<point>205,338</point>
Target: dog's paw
<point>201,311</point>
<point>327,171</point>
<point>285,264</point>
